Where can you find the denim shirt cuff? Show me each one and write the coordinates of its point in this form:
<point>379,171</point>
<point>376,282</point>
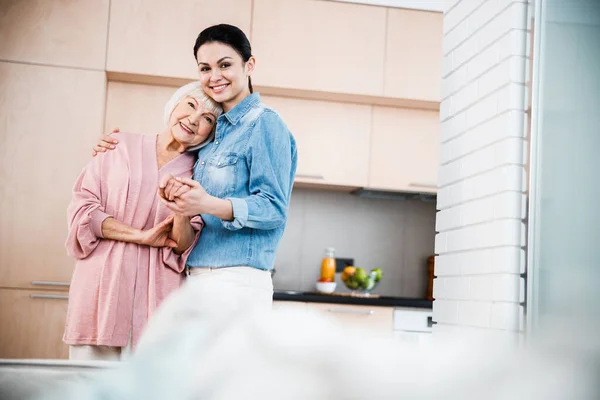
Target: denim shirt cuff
<point>240,214</point>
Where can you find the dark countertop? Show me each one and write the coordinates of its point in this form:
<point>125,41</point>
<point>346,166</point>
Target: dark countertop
<point>383,301</point>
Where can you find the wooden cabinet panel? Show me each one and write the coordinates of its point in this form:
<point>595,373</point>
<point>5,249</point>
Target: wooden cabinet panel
<point>332,139</point>
<point>372,318</point>
<point>413,59</point>
<point>319,45</point>
<point>49,119</point>
<point>32,324</point>
<point>68,33</point>
<point>157,37</point>
<point>136,108</point>
<point>404,150</point>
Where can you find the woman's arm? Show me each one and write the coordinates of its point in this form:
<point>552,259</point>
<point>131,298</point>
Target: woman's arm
<point>272,161</point>
<point>106,142</point>
<point>183,233</point>
<point>158,236</point>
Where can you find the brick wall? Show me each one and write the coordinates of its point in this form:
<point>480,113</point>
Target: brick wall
<point>482,176</point>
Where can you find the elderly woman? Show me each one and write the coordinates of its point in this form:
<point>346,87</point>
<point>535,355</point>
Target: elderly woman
<point>130,248</point>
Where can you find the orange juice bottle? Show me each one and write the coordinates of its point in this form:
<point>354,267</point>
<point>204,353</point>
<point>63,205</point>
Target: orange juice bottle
<point>328,265</point>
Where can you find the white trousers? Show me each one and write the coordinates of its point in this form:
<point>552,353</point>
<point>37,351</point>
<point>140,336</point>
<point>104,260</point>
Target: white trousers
<point>207,297</point>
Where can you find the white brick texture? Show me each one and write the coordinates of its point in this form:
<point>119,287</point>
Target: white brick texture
<point>482,176</point>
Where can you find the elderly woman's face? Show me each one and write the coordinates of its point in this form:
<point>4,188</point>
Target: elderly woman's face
<point>190,123</point>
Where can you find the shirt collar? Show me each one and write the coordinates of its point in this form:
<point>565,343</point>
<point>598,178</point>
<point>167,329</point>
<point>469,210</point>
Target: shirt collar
<point>242,108</point>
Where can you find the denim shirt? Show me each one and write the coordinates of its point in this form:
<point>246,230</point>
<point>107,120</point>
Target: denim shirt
<point>252,163</point>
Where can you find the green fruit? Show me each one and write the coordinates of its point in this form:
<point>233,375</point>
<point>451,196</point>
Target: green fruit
<point>378,273</point>
<point>361,275</point>
<point>352,284</point>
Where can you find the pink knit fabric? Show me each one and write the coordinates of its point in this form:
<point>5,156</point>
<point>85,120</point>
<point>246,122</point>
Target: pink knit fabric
<point>116,285</point>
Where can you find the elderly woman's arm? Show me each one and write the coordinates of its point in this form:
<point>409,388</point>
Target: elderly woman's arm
<point>183,233</point>
<point>158,236</point>
<point>88,222</point>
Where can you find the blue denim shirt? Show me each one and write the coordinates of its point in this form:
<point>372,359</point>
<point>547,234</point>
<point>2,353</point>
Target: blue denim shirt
<point>252,163</point>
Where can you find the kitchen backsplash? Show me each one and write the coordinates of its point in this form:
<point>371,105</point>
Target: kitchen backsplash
<point>394,235</point>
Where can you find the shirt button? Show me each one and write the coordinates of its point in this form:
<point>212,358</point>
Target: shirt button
<point>219,164</point>
<point>202,162</point>
<point>217,142</point>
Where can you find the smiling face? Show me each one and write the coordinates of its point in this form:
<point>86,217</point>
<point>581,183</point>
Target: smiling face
<point>190,123</point>
<point>223,73</point>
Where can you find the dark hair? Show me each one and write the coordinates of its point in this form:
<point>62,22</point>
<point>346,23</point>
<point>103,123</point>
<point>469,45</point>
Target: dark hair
<point>229,35</point>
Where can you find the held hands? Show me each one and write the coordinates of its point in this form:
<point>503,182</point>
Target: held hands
<point>183,196</point>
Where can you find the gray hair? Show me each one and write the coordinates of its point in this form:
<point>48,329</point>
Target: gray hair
<point>193,89</point>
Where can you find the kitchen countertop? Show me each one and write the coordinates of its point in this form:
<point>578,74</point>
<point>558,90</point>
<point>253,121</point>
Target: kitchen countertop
<point>383,301</point>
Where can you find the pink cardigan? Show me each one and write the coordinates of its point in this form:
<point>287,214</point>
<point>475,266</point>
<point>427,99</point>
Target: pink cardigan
<point>116,285</point>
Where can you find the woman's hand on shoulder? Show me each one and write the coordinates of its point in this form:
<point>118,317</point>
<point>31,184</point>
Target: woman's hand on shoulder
<point>106,142</point>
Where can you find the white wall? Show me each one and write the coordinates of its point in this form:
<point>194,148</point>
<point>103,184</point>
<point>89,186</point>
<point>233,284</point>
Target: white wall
<point>482,176</point>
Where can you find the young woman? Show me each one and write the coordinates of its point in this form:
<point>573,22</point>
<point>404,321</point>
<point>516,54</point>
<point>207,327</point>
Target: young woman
<point>131,249</point>
<point>242,182</point>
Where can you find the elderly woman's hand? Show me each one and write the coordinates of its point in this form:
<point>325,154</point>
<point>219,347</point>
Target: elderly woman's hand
<point>159,236</point>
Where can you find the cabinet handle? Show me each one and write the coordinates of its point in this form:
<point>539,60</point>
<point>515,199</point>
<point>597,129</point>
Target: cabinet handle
<point>345,311</point>
<point>424,185</point>
<point>309,176</point>
<point>50,283</point>
<point>49,296</point>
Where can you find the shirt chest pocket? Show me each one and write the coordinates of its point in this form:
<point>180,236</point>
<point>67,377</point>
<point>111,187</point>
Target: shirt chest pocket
<point>221,174</point>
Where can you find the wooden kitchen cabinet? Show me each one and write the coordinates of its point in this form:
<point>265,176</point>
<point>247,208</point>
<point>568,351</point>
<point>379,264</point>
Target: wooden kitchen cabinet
<point>136,108</point>
<point>66,33</point>
<point>32,324</point>
<point>50,119</point>
<point>332,139</point>
<point>413,58</point>
<point>319,45</point>
<point>156,37</point>
<point>404,150</point>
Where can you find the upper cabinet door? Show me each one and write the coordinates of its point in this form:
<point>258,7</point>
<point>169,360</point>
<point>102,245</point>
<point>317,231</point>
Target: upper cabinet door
<point>156,37</point>
<point>66,33</point>
<point>332,139</point>
<point>136,108</point>
<point>413,58</point>
<point>50,119</point>
<point>319,45</point>
<point>404,150</point>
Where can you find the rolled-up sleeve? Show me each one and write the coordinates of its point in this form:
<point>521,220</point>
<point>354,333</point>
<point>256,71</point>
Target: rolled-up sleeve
<point>271,156</point>
<point>85,212</point>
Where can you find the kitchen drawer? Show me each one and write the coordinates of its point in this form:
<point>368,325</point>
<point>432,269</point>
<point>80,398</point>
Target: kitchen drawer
<point>33,322</point>
<point>412,320</point>
<point>373,318</point>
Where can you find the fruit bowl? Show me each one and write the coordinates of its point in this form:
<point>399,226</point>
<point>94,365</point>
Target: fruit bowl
<point>359,280</point>
<point>325,287</point>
